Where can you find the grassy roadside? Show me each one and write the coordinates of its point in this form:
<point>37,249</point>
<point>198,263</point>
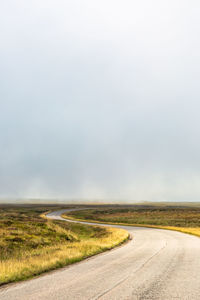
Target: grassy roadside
<point>183,219</point>
<point>31,245</point>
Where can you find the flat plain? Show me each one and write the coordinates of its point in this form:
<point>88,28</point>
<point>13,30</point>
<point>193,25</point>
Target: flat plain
<point>184,218</point>
<point>155,264</point>
<point>31,244</point>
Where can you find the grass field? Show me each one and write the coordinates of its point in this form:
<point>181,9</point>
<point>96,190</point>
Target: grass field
<point>31,245</point>
<point>180,218</point>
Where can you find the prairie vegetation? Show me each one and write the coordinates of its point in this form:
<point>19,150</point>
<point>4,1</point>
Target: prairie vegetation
<point>185,219</point>
<point>30,244</point>
<point>166,216</point>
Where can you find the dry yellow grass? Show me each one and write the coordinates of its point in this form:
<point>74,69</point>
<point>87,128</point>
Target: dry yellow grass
<point>37,261</point>
<point>189,230</point>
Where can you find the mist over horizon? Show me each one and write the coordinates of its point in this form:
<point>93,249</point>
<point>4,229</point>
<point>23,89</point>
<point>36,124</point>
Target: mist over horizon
<point>93,202</point>
<point>100,100</point>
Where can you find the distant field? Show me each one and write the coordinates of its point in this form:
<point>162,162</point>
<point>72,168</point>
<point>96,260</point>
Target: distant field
<point>30,244</point>
<point>181,218</point>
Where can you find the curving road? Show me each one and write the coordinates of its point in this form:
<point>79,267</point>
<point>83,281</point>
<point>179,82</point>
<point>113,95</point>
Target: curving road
<point>155,264</point>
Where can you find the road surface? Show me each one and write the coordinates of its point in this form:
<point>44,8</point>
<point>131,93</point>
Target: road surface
<point>155,264</point>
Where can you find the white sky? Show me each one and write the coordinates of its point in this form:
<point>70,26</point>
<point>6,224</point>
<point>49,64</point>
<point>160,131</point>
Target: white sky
<point>100,99</point>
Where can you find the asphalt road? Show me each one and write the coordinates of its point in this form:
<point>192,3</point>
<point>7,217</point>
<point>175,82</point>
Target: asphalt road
<point>155,264</point>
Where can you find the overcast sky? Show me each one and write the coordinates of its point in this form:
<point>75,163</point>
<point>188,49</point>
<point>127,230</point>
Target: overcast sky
<point>100,99</point>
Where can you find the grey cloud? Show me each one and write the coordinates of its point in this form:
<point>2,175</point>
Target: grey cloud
<point>100,99</point>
